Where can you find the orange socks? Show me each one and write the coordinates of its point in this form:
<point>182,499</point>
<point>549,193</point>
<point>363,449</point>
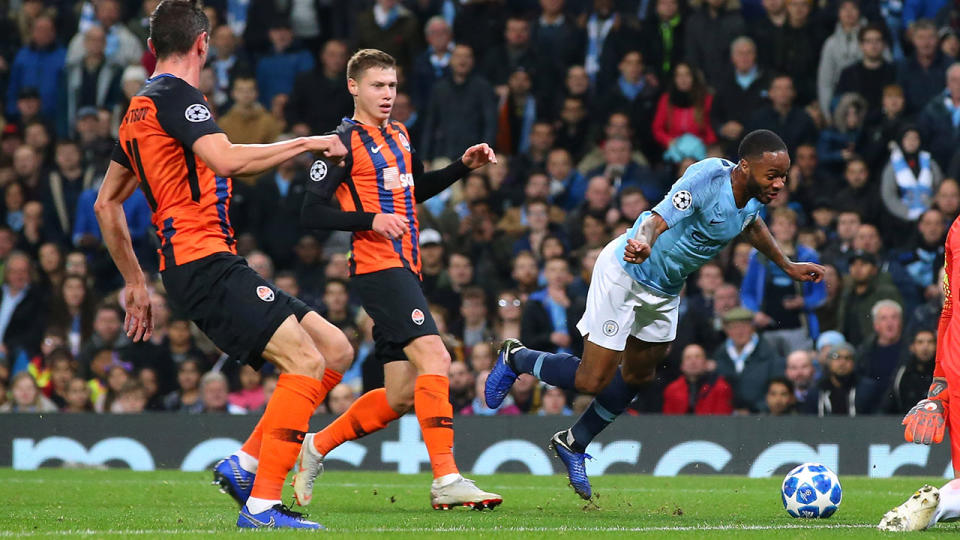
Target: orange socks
<point>369,413</point>
<point>251,447</point>
<point>283,426</point>
<point>431,399</point>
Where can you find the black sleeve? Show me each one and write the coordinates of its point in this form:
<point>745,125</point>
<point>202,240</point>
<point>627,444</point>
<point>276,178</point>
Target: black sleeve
<point>430,183</point>
<point>184,114</point>
<point>318,211</point>
<point>121,157</point>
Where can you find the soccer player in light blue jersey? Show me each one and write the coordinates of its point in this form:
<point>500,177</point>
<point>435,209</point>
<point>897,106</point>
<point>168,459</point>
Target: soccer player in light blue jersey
<point>633,301</point>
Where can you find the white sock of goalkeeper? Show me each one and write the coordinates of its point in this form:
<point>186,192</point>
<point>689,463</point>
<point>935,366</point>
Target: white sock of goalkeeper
<point>949,507</point>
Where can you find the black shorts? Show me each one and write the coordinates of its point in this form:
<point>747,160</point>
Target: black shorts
<point>394,300</point>
<point>235,307</point>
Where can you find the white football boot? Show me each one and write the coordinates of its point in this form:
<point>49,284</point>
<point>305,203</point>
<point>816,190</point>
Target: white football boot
<point>915,513</point>
<point>309,467</point>
<point>462,492</point>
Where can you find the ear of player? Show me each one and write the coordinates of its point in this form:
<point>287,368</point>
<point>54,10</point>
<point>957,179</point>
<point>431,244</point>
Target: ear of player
<point>927,420</point>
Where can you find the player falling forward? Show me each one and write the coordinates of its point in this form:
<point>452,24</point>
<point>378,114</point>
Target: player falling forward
<point>171,146</point>
<point>632,303</point>
<point>928,419</point>
<point>378,186</point>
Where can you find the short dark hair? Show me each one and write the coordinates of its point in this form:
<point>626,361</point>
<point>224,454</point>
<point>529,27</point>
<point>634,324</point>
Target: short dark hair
<point>175,26</point>
<point>336,281</point>
<point>760,141</point>
<point>781,380</point>
<point>365,59</point>
<point>871,27</point>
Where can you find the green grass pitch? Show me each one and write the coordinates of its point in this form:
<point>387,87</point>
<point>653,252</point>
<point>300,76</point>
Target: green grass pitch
<point>52,503</point>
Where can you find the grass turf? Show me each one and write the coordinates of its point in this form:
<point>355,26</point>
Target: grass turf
<point>162,504</point>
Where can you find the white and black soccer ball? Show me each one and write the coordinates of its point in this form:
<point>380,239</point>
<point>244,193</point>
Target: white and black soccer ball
<point>811,490</point>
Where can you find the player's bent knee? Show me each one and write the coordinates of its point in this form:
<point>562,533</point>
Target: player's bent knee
<point>429,354</point>
<point>590,383</point>
<point>341,357</point>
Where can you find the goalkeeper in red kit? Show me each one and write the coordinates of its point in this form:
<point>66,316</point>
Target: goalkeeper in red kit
<point>928,420</point>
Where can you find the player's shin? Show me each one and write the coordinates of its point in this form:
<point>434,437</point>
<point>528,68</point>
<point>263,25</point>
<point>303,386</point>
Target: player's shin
<point>557,369</point>
<point>369,413</point>
<point>949,507</point>
<point>603,410</point>
<point>431,399</point>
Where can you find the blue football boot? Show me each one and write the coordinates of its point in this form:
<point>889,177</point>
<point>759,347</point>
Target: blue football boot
<point>277,517</point>
<point>233,480</point>
<point>502,375</point>
<point>574,462</point>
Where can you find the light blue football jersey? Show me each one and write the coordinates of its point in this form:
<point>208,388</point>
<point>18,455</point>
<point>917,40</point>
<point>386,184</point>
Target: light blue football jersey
<point>702,217</point>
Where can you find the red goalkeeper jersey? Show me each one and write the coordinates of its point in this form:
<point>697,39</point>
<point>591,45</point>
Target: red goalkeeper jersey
<point>948,331</point>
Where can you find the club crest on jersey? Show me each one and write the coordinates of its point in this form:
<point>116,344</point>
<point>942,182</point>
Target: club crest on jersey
<point>682,200</point>
<point>197,112</point>
<point>318,171</point>
<point>265,293</point>
<point>417,317</point>
<point>610,328</point>
<point>403,141</point>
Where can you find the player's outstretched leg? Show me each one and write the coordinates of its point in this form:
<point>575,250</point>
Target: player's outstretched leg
<point>557,369</point>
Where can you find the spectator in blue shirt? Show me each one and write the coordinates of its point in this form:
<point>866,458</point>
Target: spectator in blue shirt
<point>277,71</point>
<point>38,64</point>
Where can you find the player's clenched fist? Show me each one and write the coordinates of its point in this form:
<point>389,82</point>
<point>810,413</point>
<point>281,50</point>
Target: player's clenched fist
<point>636,251</point>
<point>329,145</point>
<point>927,420</point>
<point>390,226</point>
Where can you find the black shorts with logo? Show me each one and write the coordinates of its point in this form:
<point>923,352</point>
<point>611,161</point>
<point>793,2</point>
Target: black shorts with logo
<point>235,307</point>
<point>394,300</point>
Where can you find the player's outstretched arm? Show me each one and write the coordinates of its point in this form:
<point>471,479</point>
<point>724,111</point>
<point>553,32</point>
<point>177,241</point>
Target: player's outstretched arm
<point>228,159</point>
<point>430,183</point>
<point>118,184</point>
<point>760,238</point>
<point>638,248</point>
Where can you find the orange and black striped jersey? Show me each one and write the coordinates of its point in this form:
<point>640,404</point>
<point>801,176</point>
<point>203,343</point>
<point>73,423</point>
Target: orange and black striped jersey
<point>190,202</point>
<point>376,177</point>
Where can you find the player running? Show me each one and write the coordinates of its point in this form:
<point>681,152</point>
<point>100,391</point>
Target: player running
<point>632,303</point>
<point>171,147</point>
<point>378,186</point>
<point>927,421</point>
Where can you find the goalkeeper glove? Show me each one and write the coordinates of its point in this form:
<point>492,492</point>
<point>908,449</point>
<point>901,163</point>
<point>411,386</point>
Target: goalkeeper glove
<point>927,420</point>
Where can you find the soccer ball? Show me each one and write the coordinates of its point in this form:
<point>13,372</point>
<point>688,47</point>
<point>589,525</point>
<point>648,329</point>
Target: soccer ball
<point>811,490</point>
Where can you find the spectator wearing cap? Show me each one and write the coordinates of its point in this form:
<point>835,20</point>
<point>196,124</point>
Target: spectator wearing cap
<point>92,81</point>
<point>698,390</point>
<point>38,65</point>
<point>872,73</point>
<point>837,387</point>
<point>880,355</point>
<point>913,377</point>
<point>323,84</point>
<point>746,360</point>
<point>122,47</point>
<point>392,28</point>
<point>864,288</point>
<point>839,51</point>
<point>278,69</point>
<point>923,74</point>
<point>431,260</point>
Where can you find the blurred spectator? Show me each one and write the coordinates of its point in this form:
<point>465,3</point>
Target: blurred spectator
<point>91,81</point>
<point>275,214</point>
<point>838,142</point>
<point>550,315</point>
<point>947,200</point>
<point>664,33</point>
<point>339,399</point>
<point>923,74</point>
<point>336,301</point>
<point>710,31</point>
<point>517,53</point>
<point>517,115</point>
<point>214,395</point>
<point>26,396</point>
<point>532,155</point>
<point>739,92</point>
<point>508,323</point>
<point>801,373</point>
<point>554,402</point>
<point>139,24</point>
<point>78,397</point>
<point>118,374</point>
<point>781,116</point>
<point>557,38</point>
<point>73,308</point>
<point>432,64</point>
<point>23,308</point>
<point>567,185</point>
<point>698,390</point>
<point>150,382</point>
<point>107,333</point>
<point>462,110</point>
<point>766,29</point>
<point>479,405</point>
<point>392,28</point>
<point>622,171</point>
<point>228,62</point>
<point>36,71</point>
<point>838,250</point>
<point>325,84</point>
<point>837,387</point>
<point>278,69</point>
<point>884,126</point>
<point>634,93</point>
<point>859,194</point>
<point>862,291</point>
<point>461,385</point>
<point>472,326</point>
<point>880,355</point>
<point>63,188</point>
<point>780,398</point>
<point>840,50</point>
<point>785,309</point>
<point>250,394</point>
<point>573,125</point>
<point>913,378</point>
<point>62,370</point>
<point>526,393</point>
<point>482,356</point>
<point>746,360</point>
<point>922,255</point>
<point>684,107</point>
<point>869,76</point>
<point>939,121</point>
<point>122,47</point>
<point>796,48</point>
<point>247,121</point>
<point>131,398</point>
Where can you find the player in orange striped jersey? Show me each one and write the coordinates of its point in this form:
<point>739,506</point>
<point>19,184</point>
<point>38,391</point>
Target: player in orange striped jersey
<point>378,185</point>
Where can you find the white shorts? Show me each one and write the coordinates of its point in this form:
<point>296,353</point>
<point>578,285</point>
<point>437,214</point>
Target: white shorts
<point>618,306</point>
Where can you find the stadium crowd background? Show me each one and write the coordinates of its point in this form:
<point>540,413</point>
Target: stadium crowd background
<point>594,107</point>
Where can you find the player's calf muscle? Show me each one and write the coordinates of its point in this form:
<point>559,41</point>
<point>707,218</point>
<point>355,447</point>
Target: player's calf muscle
<point>593,379</point>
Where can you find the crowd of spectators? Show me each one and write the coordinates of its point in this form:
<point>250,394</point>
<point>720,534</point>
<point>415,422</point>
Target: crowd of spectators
<point>595,107</point>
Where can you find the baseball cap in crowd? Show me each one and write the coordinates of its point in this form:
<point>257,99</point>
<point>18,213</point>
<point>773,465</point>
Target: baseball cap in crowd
<point>738,314</point>
<point>84,112</point>
<point>865,256</point>
<point>430,237</point>
<point>843,346</point>
<point>830,338</point>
